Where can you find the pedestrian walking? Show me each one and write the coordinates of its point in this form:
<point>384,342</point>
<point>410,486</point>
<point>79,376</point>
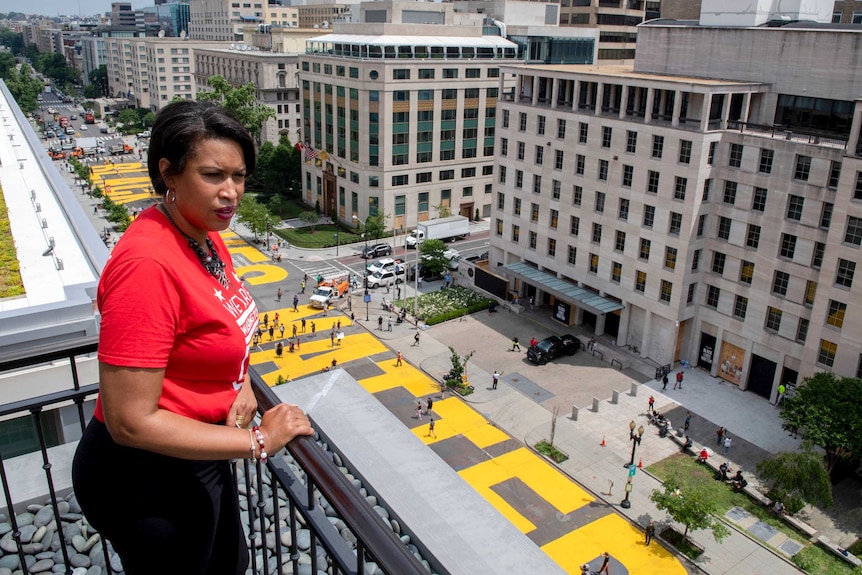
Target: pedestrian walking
<point>332,338</point>
<point>495,379</point>
<point>295,302</point>
<point>265,319</point>
<point>388,285</point>
<point>419,411</point>
<point>431,429</point>
<point>275,321</point>
<point>297,344</point>
<point>678,380</point>
<point>334,363</point>
<point>649,532</point>
<point>281,329</point>
<point>398,359</point>
<point>429,404</point>
<point>279,349</point>
<point>516,345</point>
<point>416,339</point>
<point>650,405</point>
<point>727,442</point>
<point>380,322</point>
<point>419,282</point>
<point>397,292</point>
<point>313,329</point>
<point>272,332</point>
<point>255,340</point>
<point>687,421</point>
<point>303,325</point>
<point>302,287</point>
<point>606,559</point>
<point>664,383</point>
<point>278,295</point>
<point>719,435</point>
<point>389,324</point>
<point>531,303</point>
<point>781,391</point>
<point>294,330</point>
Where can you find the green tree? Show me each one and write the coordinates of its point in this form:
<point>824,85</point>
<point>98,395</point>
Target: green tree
<point>433,259</point>
<point>252,214</point>
<point>443,211</point>
<point>98,86</point>
<point>828,412</point>
<point>691,502</point>
<point>130,119</point>
<point>279,169</point>
<point>148,119</point>
<point>12,40</point>
<point>375,226</point>
<point>797,478</point>
<point>311,218</point>
<point>459,367</point>
<point>241,101</point>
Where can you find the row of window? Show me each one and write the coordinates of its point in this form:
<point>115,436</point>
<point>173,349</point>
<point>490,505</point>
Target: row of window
<point>442,175</point>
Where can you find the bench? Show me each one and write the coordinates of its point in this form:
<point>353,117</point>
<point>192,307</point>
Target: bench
<point>752,492</point>
<point>849,557</point>
<point>800,525</point>
<point>512,307</point>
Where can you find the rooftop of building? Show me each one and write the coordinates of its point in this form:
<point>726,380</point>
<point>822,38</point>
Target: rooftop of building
<point>770,25</point>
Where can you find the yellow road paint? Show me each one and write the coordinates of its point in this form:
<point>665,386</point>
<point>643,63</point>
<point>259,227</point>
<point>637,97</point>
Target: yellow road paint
<point>407,376</point>
<point>618,537</point>
<point>261,274</point>
<point>481,477</point>
<point>441,429</point>
<point>486,436</point>
<point>251,254</point>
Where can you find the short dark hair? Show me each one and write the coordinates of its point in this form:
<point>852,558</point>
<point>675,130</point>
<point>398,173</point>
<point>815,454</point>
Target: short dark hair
<point>181,126</point>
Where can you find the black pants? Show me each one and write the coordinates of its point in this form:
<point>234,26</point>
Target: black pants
<point>162,514</point>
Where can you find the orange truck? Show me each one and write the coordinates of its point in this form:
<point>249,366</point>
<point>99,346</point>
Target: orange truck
<point>327,291</point>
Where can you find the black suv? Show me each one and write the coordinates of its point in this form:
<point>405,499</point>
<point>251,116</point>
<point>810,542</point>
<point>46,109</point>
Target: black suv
<point>551,347</point>
<point>376,250</point>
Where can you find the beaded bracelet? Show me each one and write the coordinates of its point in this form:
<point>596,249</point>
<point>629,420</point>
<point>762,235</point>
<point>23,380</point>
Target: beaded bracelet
<point>259,436</point>
<point>251,445</point>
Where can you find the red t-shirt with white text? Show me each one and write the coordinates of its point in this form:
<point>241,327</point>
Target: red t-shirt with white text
<point>161,309</point>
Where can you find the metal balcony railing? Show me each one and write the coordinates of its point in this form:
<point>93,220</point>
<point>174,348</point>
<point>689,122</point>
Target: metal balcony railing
<point>304,480</point>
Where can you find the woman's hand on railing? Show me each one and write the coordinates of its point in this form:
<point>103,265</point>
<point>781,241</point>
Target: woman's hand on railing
<point>281,424</point>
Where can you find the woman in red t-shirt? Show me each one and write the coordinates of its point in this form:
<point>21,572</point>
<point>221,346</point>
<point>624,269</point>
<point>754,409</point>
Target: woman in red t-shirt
<point>152,470</point>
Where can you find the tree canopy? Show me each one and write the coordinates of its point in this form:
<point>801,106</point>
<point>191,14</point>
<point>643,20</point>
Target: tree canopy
<point>797,478</point>
<point>688,501</point>
<point>827,411</point>
<point>98,86</point>
<point>21,84</point>
<point>242,101</point>
<point>253,214</point>
<point>433,259</point>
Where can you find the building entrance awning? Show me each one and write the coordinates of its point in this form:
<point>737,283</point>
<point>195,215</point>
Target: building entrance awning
<point>563,289</point>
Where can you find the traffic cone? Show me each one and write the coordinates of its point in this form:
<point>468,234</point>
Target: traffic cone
<point>640,463</point>
<point>603,444</point>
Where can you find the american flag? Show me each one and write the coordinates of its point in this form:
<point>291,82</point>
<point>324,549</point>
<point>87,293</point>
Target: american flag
<point>310,153</point>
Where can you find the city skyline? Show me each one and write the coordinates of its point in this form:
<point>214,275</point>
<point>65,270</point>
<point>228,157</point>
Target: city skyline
<point>54,8</point>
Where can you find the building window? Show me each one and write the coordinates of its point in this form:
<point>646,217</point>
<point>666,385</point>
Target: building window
<point>707,188</point>
<point>780,282</point>
<point>616,272</point>
<point>600,202</point>
<point>746,272</point>
<point>685,151</point>
<point>803,168</point>
<point>853,235</point>
<point>558,160</point>
<point>522,122</point>
<point>503,171</point>
<point>606,136</point>
<point>712,296</point>
<point>603,171</point>
<point>537,184</point>
<point>540,155</point>
<point>666,291</point>
<point>826,356</point>
<point>740,306</point>
<point>826,215</point>
<point>519,179</point>
<point>505,118</point>
<point>534,238</point>
<point>572,255</point>
<point>652,182</point>
<point>624,209</point>
<point>628,176</point>
<point>583,131</point>
<point>788,246</point>
<point>556,189</point>
<point>401,74</point>
<point>504,147</point>
<point>692,289</point>
<point>836,314</point>
<point>758,203</point>
<point>794,207</point>
<point>516,233</point>
<point>695,260</point>
<point>594,263</point>
<point>450,174</point>
<point>522,147</point>
<point>400,180</point>
<point>724,228</point>
<point>857,189</point>
<point>657,146</point>
<point>620,243</point>
<point>540,126</point>
<point>718,261</point>
<point>675,224</point>
<point>710,156</point>
<point>499,229</point>
<point>597,233</point>
<point>773,319</point>
<point>534,212</point>
<point>670,258</point>
<point>552,247</point>
<point>802,330</point>
<point>766,158</point>
<point>554,220</point>
<point>730,192</point>
<point>752,238</point>
<point>679,188</point>
<point>810,293</point>
<point>640,281</point>
<point>631,142</point>
<point>516,207</point>
<point>649,216</point>
<point>561,129</point>
<point>817,255</point>
<point>574,225</point>
<point>577,195</point>
<point>735,159</point>
<point>645,249</point>
<point>845,272</point>
<point>501,201</point>
<point>701,224</point>
<point>834,174</point>
<point>580,163</point>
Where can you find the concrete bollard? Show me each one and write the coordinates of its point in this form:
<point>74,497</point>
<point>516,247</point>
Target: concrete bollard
<point>616,397</point>
<point>596,404</point>
<point>574,413</point>
<point>634,392</point>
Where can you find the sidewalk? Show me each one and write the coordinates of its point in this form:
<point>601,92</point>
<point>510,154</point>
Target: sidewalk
<point>589,463</point>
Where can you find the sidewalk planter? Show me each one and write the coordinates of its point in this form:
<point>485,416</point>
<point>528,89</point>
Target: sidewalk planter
<point>685,546</point>
<point>551,452</point>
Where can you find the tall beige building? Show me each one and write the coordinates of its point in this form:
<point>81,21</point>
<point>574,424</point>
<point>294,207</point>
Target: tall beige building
<point>703,205</point>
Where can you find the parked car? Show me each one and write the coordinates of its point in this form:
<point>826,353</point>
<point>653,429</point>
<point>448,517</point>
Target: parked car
<point>83,127</point>
<point>383,277</point>
<point>384,264</point>
<point>73,117</point>
<point>376,251</point>
<point>553,346</point>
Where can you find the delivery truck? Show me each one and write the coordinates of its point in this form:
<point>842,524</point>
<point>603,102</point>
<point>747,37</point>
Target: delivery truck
<point>445,229</point>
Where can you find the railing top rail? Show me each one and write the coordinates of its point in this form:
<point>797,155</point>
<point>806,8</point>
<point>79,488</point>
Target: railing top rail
<point>42,354</point>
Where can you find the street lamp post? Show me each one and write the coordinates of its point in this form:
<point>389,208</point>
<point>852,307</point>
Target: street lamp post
<point>267,231</point>
<point>336,241</point>
<point>635,437</point>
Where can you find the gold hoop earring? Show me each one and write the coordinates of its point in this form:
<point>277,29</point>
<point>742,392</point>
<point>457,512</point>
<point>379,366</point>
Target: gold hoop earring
<point>170,196</point>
